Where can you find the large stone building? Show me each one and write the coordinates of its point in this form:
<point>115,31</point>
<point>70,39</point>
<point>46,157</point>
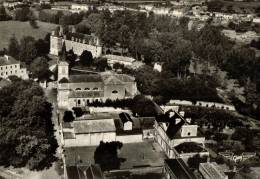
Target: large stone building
<point>76,42</point>
<point>79,90</point>
<point>11,67</point>
<point>173,131</point>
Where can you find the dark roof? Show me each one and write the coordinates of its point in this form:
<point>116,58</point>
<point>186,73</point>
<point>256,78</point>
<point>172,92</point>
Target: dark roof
<point>84,172</point>
<point>7,60</point>
<point>125,117</point>
<point>179,169</point>
<point>64,80</point>
<point>86,94</point>
<point>147,122</point>
<point>85,78</point>
<point>173,128</point>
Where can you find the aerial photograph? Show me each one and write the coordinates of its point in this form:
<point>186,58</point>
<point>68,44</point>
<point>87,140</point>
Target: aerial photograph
<point>129,89</point>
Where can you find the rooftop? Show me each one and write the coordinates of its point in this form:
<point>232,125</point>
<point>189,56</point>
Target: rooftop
<point>179,169</point>
<point>86,94</point>
<point>84,172</point>
<point>94,126</point>
<point>85,78</point>
<point>119,58</point>
<point>213,170</point>
<point>7,60</point>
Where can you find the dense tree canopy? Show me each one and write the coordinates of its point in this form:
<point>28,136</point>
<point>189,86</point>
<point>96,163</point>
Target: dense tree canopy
<point>106,155</point>
<point>26,131</point>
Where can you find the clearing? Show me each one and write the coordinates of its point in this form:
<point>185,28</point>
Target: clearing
<point>20,29</point>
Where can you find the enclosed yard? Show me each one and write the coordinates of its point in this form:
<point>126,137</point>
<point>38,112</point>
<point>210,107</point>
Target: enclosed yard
<point>136,155</point>
<point>20,29</point>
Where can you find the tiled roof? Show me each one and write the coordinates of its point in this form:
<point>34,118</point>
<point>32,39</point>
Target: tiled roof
<point>112,80</point>
<point>7,60</point>
<point>94,126</point>
<point>85,78</point>
<point>86,94</point>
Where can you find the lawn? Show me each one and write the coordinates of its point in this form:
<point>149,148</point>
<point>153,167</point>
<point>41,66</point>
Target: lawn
<point>20,29</point>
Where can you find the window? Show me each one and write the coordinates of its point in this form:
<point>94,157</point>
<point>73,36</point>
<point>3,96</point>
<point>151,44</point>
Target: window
<point>6,67</point>
<point>79,102</point>
<point>2,73</point>
<point>15,66</point>
<point>6,73</point>
<point>114,92</point>
<point>188,133</point>
<point>87,89</point>
<point>1,68</point>
<point>78,89</point>
<point>95,88</point>
<point>11,72</point>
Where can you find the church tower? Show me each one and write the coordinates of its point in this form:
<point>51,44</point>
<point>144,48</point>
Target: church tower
<point>56,42</point>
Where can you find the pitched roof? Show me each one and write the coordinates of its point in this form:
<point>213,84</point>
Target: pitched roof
<point>7,60</point>
<point>94,126</point>
<point>64,80</point>
<point>84,172</point>
<point>112,80</point>
<point>179,169</point>
<point>85,78</point>
<point>125,117</point>
<point>86,94</point>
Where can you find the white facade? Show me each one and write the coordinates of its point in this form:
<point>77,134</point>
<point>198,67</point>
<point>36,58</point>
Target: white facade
<point>76,44</point>
<point>11,67</point>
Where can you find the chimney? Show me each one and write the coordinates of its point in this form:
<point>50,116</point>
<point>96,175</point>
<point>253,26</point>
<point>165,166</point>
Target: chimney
<point>171,114</point>
<point>7,57</point>
<point>182,113</point>
<point>177,120</point>
<point>188,120</point>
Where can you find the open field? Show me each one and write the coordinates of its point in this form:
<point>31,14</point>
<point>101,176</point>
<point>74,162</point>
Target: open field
<point>20,29</point>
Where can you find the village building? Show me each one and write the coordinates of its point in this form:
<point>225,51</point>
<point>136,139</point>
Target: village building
<point>11,67</point>
<point>91,129</point>
<point>80,171</point>
<point>79,90</point>
<point>177,169</point>
<point>113,59</point>
<point>211,170</point>
<point>76,42</point>
<point>173,132</point>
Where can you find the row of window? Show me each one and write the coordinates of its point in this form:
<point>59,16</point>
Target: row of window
<point>95,89</point>
<point>6,67</point>
<point>87,89</point>
<point>6,73</point>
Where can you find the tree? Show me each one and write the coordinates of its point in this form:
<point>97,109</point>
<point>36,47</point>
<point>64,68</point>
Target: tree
<point>40,68</point>
<point>42,47</point>
<point>13,47</point>
<point>22,14</point>
<point>26,130</point>
<point>106,155</point>
<point>68,116</point>
<point>3,14</point>
<point>27,49</point>
<point>194,162</point>
<point>86,58</point>
<point>101,64</point>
